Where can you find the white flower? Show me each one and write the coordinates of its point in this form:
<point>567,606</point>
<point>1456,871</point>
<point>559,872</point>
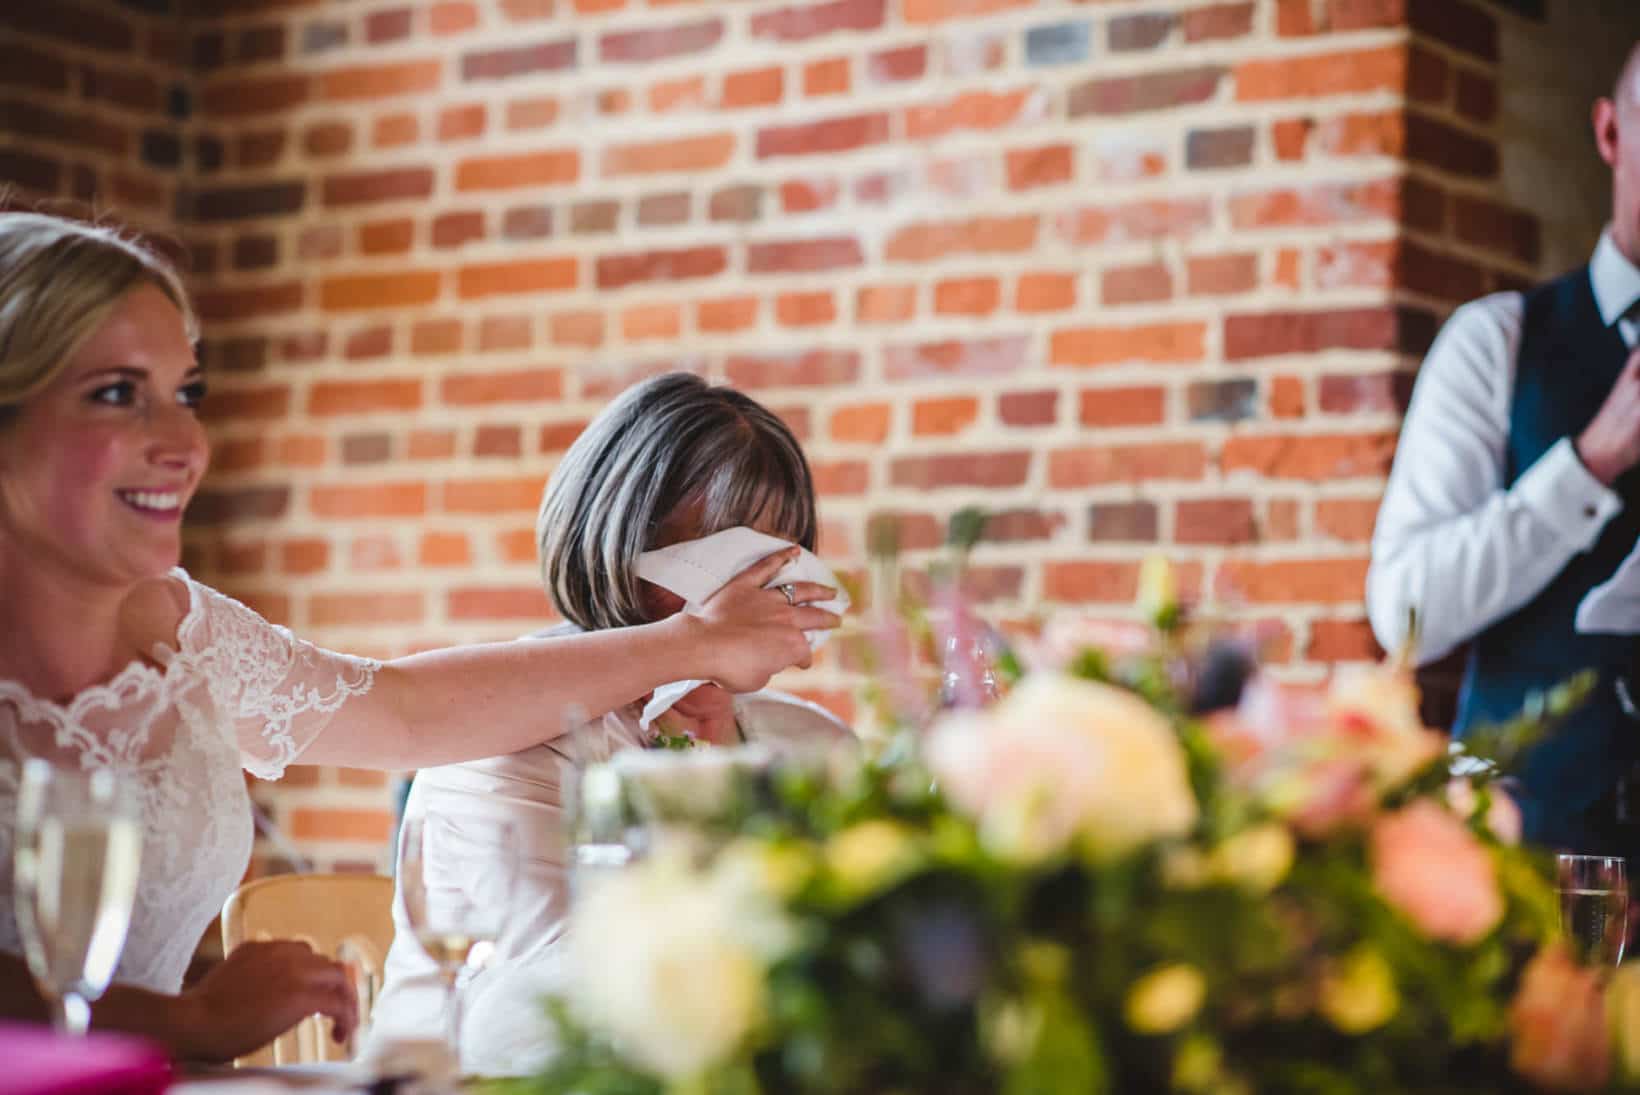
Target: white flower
<point>670,962</point>
<point>1062,764</point>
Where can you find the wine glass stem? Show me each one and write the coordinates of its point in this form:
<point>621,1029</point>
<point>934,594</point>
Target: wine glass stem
<point>452,1016</point>
<point>70,1014</point>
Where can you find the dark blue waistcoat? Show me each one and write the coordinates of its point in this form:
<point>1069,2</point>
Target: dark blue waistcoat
<point>1568,361</point>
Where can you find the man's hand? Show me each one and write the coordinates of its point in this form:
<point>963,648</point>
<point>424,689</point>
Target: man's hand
<point>1610,444</point>
<point>257,993</point>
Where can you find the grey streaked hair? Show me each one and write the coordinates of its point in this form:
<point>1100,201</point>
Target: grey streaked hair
<point>664,444</point>
<point>59,279</point>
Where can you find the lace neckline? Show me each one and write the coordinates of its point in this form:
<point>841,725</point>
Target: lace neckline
<point>130,678</point>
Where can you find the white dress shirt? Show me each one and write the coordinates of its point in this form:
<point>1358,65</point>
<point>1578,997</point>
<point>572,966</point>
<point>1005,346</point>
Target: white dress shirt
<point>504,1029</point>
<point>1453,541</point>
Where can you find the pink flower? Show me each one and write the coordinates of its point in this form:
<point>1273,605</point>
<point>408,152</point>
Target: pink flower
<point>1558,1025</point>
<point>1429,866</point>
<point>1502,815</point>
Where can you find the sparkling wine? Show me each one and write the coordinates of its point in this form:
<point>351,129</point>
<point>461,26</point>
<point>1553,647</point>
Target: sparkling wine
<point>450,950</point>
<point>75,885</point>
<point>1596,921</point>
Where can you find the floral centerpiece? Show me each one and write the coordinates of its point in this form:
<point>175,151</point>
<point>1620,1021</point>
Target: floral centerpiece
<point>1095,883</point>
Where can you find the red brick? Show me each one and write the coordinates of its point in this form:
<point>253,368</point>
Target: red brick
<point>966,358</point>
<point>1287,398</point>
<point>648,322</point>
<point>372,342</point>
<point>521,495</point>
<point>803,255</point>
<point>436,336</point>
<point>1036,293</point>
<point>369,500</point>
<point>1356,393</point>
<point>305,556</point>
<point>619,271</point>
<point>1028,408</point>
<point>526,169</point>
<point>967,296</point>
<point>799,23</point>
<point>452,17</point>
<point>1501,229</point>
<point>250,302</point>
<point>841,477</point>
<point>521,386</point>
<point>1097,464</point>
<point>255,97</point>
<point>827,77</point>
<point>1317,457</point>
<point>1140,220</point>
<point>1217,22</point>
<point>1349,519</point>
<point>1267,334</point>
<point>808,195</point>
<point>392,237</point>
<point>928,241</point>
<point>660,43</point>
<point>1142,284</point>
<point>432,444</point>
<point>583,328</point>
<point>1214,521</point>
<point>363,396</point>
<point>704,153</point>
<point>971,469</point>
<point>530,276</point>
<point>395,130</point>
<point>1344,72</point>
<point>940,11</point>
<point>501,333</point>
<point>943,417</point>
<point>461,123</point>
<point>515,61</point>
<point>368,291</point>
<point>971,110</point>
<point>394,184</point>
<point>889,66</point>
<point>380,81</point>
<point>1147,91</point>
<point>262,402</point>
<point>753,87</point>
<point>457,228</point>
<point>513,603</point>
<point>534,113</point>
<point>818,138</point>
<point>1126,406</point>
<point>726,314</point>
<point>885,303</point>
<point>1087,581</point>
<point>817,368</point>
<point>1342,641</point>
<point>805,309</point>
<point>559,436</point>
<point>1154,342</point>
<point>1294,581</point>
<point>867,422</point>
<point>1215,275</point>
<point>359,826</point>
<point>1048,165</point>
<point>1365,264</point>
<point>680,94</point>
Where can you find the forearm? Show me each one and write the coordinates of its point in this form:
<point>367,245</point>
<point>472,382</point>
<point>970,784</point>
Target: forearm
<point>153,1015</point>
<point>1462,573</point>
<point>490,699</point>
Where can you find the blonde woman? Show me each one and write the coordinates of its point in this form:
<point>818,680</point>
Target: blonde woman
<point>111,657</point>
<point>671,460</point>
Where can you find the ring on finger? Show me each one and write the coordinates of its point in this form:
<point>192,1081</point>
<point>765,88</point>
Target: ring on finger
<point>788,590</point>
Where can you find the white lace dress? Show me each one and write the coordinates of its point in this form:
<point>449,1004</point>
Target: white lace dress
<point>236,692</point>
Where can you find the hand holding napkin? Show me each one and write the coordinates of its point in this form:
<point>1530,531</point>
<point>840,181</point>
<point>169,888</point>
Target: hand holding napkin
<point>696,569</point>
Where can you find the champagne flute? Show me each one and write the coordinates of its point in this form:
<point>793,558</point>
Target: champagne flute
<point>455,875</point>
<point>1594,903</point>
<point>79,850</point>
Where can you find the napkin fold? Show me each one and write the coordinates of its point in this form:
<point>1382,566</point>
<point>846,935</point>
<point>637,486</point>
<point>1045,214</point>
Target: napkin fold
<point>696,569</point>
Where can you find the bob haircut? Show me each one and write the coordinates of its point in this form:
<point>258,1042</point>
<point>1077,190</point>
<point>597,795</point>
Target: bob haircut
<point>59,279</point>
<point>672,444</point>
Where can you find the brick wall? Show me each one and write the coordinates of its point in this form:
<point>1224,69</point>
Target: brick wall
<point>1137,275</point>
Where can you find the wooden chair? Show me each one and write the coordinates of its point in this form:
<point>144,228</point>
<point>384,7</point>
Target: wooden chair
<point>346,916</point>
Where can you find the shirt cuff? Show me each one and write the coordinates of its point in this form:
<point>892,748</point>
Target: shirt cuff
<point>1570,500</point>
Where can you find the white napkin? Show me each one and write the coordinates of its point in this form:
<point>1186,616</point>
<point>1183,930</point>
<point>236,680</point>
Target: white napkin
<point>696,569</point>
<point>1613,606</point>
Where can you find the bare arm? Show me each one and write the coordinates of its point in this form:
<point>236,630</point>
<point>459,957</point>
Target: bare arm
<point>260,991</point>
<point>462,703</point>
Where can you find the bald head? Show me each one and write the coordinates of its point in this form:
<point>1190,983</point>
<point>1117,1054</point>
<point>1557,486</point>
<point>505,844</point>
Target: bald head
<point>1626,92</point>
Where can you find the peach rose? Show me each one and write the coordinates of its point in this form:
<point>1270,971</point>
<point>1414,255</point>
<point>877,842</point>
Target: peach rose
<point>1557,1024</point>
<point>1429,866</point>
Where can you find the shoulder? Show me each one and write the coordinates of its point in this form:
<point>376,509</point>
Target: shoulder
<point>779,718</point>
<point>1486,322</point>
<point>155,609</point>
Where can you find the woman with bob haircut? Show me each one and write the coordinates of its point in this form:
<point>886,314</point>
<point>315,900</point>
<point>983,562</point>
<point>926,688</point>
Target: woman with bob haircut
<point>672,459</point>
<point>112,657</point>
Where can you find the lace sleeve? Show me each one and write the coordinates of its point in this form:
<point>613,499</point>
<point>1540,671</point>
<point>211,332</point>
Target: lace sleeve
<point>276,693</point>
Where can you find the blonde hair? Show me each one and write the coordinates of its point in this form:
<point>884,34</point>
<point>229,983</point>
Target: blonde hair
<point>59,279</point>
<point>669,442</point>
